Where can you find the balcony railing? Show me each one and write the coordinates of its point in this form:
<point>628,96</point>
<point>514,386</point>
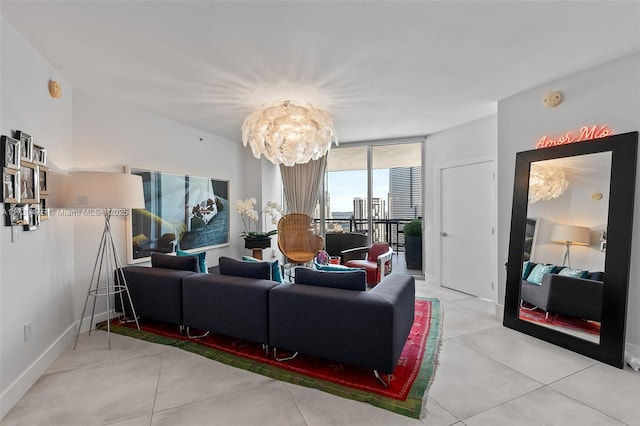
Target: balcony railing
<point>384,230</point>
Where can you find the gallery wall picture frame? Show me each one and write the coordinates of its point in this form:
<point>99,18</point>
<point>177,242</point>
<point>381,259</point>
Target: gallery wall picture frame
<point>183,212</point>
<point>11,185</point>
<point>43,180</point>
<point>29,187</point>
<point>11,152</point>
<point>44,210</point>
<point>26,145</point>
<point>15,214</point>
<point>32,217</point>
<point>39,155</point>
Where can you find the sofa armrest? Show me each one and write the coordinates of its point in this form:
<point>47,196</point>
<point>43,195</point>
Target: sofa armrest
<point>385,264</point>
<point>156,293</point>
<point>368,329</point>
<point>575,297</point>
<point>358,253</point>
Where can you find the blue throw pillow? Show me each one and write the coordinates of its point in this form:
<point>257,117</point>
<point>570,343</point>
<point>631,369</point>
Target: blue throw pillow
<point>574,273</point>
<point>239,268</point>
<point>349,280</point>
<point>202,258</point>
<point>536,275</point>
<point>527,267</point>
<point>276,272</point>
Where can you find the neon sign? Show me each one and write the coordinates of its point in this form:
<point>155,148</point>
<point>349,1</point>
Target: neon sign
<point>586,133</point>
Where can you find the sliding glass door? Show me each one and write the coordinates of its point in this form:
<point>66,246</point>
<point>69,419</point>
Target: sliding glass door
<point>370,192</point>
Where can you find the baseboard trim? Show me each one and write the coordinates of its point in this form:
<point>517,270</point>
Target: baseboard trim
<point>23,383</point>
<point>634,349</point>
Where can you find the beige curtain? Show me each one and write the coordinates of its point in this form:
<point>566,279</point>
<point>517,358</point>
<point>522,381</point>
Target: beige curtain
<point>302,184</point>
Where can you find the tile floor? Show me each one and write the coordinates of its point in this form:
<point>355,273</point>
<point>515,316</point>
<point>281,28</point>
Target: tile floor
<point>488,375</point>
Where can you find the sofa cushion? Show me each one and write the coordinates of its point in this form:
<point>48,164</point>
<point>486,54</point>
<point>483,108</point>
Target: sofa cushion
<point>276,272</point>
<point>574,273</point>
<point>538,272</point>
<point>183,263</point>
<point>239,268</point>
<point>355,279</point>
<point>202,258</point>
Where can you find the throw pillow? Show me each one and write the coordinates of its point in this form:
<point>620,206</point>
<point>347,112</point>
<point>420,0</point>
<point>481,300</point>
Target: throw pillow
<point>527,267</point>
<point>276,272</point>
<point>349,280</point>
<point>239,268</point>
<point>202,258</point>
<point>536,274</point>
<point>596,276</point>
<point>334,268</point>
<point>574,273</point>
<point>183,263</point>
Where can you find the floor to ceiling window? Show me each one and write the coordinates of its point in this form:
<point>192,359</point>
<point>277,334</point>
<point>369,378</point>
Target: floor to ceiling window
<point>372,190</point>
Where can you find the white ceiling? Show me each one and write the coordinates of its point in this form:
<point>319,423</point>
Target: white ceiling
<point>381,69</point>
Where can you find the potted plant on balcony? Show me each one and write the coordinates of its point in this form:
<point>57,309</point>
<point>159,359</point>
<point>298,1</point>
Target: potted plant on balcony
<point>413,244</point>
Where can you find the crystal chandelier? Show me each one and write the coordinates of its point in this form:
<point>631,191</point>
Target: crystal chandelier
<point>288,133</point>
<point>546,183</point>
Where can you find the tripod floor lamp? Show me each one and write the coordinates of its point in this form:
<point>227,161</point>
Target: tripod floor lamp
<point>570,235</point>
<point>105,194</point>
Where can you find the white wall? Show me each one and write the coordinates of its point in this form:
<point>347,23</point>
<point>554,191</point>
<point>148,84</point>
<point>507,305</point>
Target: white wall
<point>108,135</point>
<point>36,277</point>
<point>606,94</point>
<point>465,143</point>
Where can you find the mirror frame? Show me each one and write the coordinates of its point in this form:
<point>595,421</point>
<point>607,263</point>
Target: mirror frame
<point>623,148</point>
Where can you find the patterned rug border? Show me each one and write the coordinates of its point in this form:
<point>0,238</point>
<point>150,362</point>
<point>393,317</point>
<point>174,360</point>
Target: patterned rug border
<point>413,406</point>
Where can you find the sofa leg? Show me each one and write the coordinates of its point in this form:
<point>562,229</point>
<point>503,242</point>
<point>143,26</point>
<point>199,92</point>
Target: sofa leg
<point>123,319</point>
<point>288,358</point>
<point>525,308</point>
<point>195,337</point>
<point>380,379</point>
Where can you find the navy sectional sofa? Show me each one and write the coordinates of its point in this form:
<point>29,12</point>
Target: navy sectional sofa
<point>366,329</point>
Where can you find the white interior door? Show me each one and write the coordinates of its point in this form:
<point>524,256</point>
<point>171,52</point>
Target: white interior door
<point>467,232</point>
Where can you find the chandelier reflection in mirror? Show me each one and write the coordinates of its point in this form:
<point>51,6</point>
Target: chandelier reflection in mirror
<point>288,133</point>
<point>546,182</point>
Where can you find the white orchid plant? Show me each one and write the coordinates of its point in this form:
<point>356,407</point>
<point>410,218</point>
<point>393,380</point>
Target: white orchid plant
<point>249,215</point>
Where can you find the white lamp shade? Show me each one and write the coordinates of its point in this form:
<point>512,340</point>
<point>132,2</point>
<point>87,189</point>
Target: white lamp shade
<point>104,190</point>
<point>571,234</point>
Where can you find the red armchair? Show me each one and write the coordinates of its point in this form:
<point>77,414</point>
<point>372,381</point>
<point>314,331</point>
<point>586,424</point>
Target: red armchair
<point>377,264</point>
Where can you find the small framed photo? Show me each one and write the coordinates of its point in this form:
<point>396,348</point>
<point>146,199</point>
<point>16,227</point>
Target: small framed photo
<point>26,145</point>
<point>11,152</point>
<point>44,210</point>
<point>11,188</point>
<point>32,218</point>
<point>29,187</point>
<point>43,180</point>
<point>15,214</point>
<point>39,155</point>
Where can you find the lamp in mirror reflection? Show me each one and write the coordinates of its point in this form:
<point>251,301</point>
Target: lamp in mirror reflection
<point>288,133</point>
<point>570,235</point>
<point>546,182</point>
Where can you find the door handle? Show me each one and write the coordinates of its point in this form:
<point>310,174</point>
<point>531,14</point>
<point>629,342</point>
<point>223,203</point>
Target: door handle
<point>444,234</point>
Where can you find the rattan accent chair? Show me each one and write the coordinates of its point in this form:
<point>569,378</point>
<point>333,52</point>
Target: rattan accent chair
<point>296,238</point>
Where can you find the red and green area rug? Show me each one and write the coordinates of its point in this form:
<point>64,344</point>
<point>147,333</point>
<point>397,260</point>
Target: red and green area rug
<point>407,391</point>
<point>578,325</point>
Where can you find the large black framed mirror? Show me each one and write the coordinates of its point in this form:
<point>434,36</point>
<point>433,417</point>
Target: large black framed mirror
<point>559,243</point>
